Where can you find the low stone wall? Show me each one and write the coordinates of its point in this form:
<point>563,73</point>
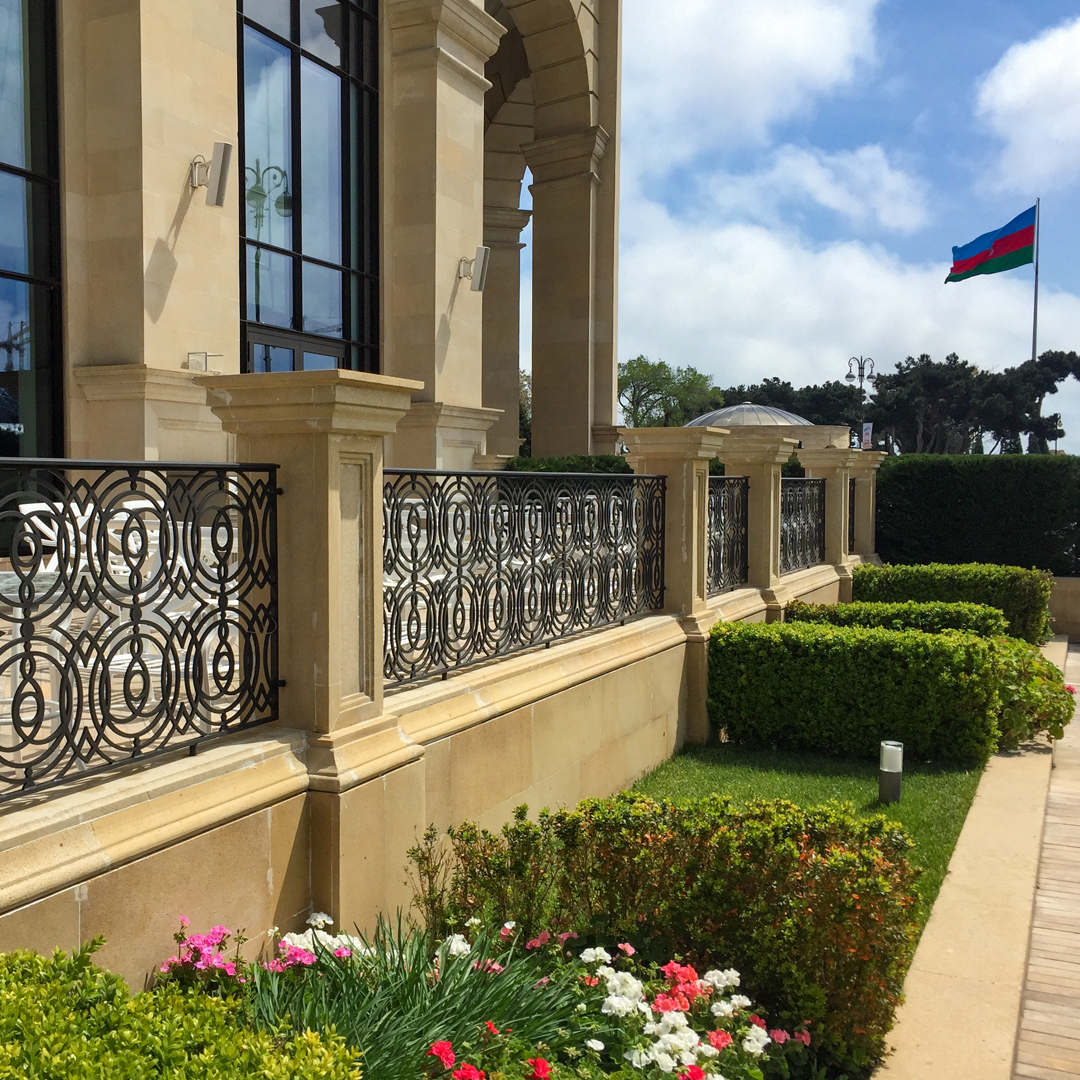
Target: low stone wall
<point>246,833</point>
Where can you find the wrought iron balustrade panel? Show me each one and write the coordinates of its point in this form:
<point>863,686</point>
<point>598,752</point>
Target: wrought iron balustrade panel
<point>138,611</point>
<point>802,523</point>
<point>728,532</point>
<point>481,564</point>
<point>851,516</point>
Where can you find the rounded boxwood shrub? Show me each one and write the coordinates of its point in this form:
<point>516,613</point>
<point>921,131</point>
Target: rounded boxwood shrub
<point>930,617</point>
<point>1023,595</point>
<point>64,1018</point>
<point>813,906</point>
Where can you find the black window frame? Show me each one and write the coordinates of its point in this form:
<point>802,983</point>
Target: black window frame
<point>42,119</point>
<point>359,266</point>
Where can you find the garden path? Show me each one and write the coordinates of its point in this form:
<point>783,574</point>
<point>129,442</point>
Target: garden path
<point>1048,1043</point>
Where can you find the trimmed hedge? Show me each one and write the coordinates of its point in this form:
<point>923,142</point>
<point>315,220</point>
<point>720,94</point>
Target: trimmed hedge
<point>931,618</point>
<point>1023,595</point>
<point>842,690</point>
<point>814,907</point>
<point>578,463</point>
<point>958,508</point>
<point>63,1018</point>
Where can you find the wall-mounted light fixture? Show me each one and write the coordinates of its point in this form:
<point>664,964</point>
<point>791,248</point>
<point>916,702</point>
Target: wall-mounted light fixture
<point>475,268</point>
<point>213,174</point>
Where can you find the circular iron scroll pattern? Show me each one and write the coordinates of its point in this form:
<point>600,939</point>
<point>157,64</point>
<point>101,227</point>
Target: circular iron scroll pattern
<point>802,523</point>
<point>478,565</point>
<point>138,612</point>
<point>728,532</point>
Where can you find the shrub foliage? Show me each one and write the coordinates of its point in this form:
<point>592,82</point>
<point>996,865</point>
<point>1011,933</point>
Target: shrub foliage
<point>931,618</point>
<point>64,1018</point>
<point>813,906</point>
<point>575,463</point>
<point>957,508</point>
<point>1023,595</point>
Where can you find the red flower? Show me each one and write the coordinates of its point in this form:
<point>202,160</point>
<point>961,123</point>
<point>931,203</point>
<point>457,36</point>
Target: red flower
<point>719,1040</point>
<point>779,1036</point>
<point>589,980</point>
<point>444,1051</point>
<point>679,973</point>
<point>627,948</point>
<point>491,1027</point>
<point>803,1037</point>
<point>541,1069</point>
<point>755,1019</point>
<point>468,1072</point>
<point>673,1002</point>
<point>693,1072</point>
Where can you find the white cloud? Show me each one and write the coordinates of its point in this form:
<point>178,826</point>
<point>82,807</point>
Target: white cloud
<point>701,73</point>
<point>1031,100</point>
<point>861,185</point>
<point>744,302</point>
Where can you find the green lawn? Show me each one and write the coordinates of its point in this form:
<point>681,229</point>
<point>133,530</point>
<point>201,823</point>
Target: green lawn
<point>935,799</point>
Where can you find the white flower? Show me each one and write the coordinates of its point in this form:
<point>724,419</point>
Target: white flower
<point>721,980</point>
<point>664,1062</point>
<point>638,1058</point>
<point>272,931</point>
<point>473,922</point>
<point>617,1006</point>
<point>687,1057</point>
<point>740,1002</point>
<point>320,920</point>
<point>621,983</point>
<point>303,941</point>
<point>592,956</point>
<point>755,1041</point>
<point>509,925</point>
<point>581,1008</point>
<point>707,1051</point>
<point>594,1044</point>
<point>644,1007</point>
<point>456,945</point>
<point>722,1008</point>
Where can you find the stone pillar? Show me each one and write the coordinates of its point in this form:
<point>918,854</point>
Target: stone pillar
<point>502,326</point>
<point>760,456</point>
<point>682,455</point>
<point>434,217</point>
<point>565,172</point>
<point>865,469</point>
<point>834,467</point>
<point>151,272</point>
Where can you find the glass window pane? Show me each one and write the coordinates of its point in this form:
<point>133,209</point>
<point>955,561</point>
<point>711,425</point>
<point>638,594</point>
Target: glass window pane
<point>13,234</point>
<point>12,83</point>
<point>320,141</point>
<point>267,358</point>
<point>267,140</point>
<point>26,316</point>
<point>319,362</point>
<point>273,14</point>
<point>322,300</point>
<point>321,29</point>
<point>269,287</point>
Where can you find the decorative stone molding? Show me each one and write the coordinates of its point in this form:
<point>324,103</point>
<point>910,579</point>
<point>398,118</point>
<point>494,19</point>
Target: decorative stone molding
<point>564,157</point>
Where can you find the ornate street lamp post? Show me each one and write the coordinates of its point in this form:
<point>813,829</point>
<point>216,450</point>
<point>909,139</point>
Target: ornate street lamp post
<point>864,365</point>
<point>262,183</point>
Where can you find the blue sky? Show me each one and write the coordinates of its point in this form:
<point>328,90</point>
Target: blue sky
<point>795,173</point>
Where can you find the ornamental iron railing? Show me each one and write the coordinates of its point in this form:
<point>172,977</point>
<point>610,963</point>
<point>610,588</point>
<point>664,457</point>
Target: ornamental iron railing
<point>481,564</point>
<point>851,516</point>
<point>138,611</point>
<point>802,524</point>
<point>728,532</point>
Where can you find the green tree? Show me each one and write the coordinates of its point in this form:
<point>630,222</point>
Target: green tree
<point>828,403</point>
<point>525,413</point>
<point>654,394</point>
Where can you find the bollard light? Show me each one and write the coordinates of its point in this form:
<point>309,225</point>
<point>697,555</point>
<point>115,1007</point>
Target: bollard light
<point>890,772</point>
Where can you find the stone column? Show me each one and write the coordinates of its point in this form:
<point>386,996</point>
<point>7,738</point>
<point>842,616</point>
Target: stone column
<point>834,467</point>
<point>502,326</point>
<point>433,212</point>
<point>683,455</point>
<point>865,469</point>
<point>760,456</point>
<point>565,172</point>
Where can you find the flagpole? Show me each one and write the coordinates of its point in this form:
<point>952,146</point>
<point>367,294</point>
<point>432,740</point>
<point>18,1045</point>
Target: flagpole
<point>1035,312</point>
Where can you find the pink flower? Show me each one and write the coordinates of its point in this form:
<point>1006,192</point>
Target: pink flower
<point>542,982</point>
<point>693,1072</point>
<point>444,1051</point>
<point>492,967</point>
<point>803,1037</point>
<point>541,1069</point>
<point>343,953</point>
<point>1071,689</point>
<point>779,1036</point>
<point>627,948</point>
<point>720,1040</point>
<point>274,965</point>
<point>564,938</point>
<point>468,1072</point>
<point>184,923</point>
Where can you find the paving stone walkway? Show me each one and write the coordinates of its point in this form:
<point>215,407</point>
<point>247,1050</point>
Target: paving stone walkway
<point>1048,1043</point>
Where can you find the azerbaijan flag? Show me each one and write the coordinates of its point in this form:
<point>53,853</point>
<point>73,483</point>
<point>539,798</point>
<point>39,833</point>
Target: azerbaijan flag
<point>1010,246</point>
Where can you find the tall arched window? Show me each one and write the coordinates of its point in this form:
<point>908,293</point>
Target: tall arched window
<point>31,376</point>
<point>309,127</point>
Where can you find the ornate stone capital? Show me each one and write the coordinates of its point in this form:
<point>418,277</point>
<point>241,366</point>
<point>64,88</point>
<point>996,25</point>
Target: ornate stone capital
<point>560,157</point>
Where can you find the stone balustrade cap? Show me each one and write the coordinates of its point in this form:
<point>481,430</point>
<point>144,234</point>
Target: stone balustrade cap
<point>698,442</point>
